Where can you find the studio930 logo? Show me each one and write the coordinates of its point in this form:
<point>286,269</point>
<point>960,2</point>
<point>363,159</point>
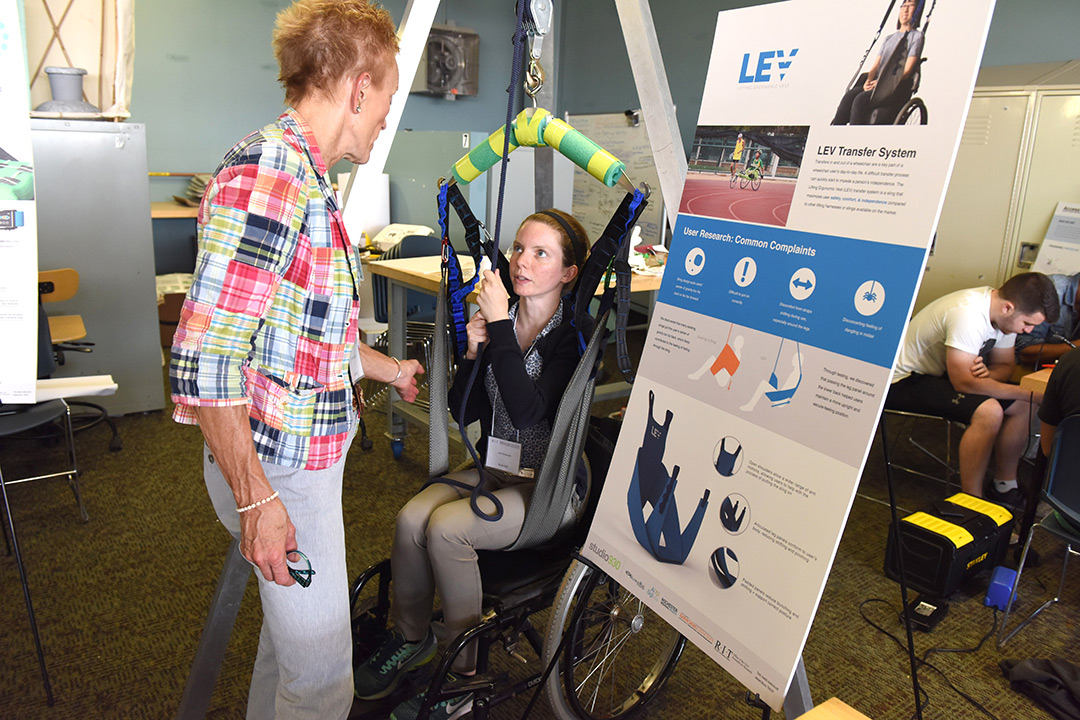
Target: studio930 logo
<point>767,66</point>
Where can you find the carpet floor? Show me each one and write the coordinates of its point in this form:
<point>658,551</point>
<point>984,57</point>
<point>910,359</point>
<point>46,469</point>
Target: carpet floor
<point>121,600</point>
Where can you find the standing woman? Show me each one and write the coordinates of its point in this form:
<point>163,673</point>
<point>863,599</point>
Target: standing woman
<point>857,104</point>
<point>530,352</point>
<point>261,358</point>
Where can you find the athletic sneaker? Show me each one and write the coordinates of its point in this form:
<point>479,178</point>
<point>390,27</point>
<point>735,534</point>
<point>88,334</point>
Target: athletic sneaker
<point>445,710</point>
<point>380,674</point>
<point>1013,498</point>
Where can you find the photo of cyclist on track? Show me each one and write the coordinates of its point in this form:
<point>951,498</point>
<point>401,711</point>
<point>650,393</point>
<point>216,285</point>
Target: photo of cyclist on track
<point>736,156</point>
<point>726,162</point>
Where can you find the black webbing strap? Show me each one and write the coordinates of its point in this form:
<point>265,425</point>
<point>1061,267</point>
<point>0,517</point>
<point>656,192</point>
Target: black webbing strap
<point>610,254</point>
<point>477,248</point>
<point>622,313</point>
<point>457,289</point>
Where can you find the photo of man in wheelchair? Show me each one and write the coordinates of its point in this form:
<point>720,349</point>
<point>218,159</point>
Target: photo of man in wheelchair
<point>885,93</point>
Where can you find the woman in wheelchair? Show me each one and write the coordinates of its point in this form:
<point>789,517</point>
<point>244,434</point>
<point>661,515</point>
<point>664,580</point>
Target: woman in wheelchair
<point>889,82</point>
<point>527,353</point>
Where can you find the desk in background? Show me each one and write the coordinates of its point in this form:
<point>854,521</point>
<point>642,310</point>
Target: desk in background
<point>1036,381</point>
<point>424,274</point>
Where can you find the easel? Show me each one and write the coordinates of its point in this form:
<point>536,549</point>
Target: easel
<point>797,702</point>
<point>658,110</point>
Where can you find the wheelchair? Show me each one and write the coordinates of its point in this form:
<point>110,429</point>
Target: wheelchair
<point>606,655</point>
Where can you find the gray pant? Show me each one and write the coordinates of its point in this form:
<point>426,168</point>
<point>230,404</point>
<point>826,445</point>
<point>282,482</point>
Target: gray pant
<point>435,542</point>
<point>303,669</point>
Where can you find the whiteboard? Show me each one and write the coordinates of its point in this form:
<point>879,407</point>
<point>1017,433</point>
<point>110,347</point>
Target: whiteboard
<point>594,203</point>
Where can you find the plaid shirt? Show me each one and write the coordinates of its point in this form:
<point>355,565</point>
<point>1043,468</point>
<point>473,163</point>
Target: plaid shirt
<point>270,319</point>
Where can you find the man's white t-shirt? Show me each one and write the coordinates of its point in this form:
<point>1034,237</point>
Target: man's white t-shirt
<point>959,320</point>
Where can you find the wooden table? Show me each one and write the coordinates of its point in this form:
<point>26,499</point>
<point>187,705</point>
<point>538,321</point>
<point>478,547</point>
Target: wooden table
<point>1036,381</point>
<point>169,209</point>
<point>424,274</point>
<point>833,709</point>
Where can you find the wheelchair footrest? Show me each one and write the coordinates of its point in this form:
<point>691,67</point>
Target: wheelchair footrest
<point>479,683</point>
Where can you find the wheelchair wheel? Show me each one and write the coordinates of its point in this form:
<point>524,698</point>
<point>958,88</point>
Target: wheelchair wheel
<point>743,182</point>
<point>913,113</point>
<point>755,181</point>
<point>734,179</point>
<point>622,653</point>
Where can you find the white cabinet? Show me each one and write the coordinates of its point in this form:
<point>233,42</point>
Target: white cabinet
<point>1019,156</point>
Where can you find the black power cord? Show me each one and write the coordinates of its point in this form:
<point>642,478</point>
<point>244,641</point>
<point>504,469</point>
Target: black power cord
<point>923,660</point>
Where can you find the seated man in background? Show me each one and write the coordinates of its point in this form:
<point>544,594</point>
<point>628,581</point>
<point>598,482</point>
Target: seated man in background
<point>1049,341</point>
<point>954,362</point>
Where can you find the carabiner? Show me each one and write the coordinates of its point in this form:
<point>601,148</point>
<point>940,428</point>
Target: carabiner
<point>534,80</point>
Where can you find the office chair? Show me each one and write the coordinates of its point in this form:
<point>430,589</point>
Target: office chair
<point>67,332</point>
<point>1062,493</point>
<point>18,420</point>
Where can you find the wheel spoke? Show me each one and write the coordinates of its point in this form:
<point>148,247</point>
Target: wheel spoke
<point>604,674</point>
<point>610,651</point>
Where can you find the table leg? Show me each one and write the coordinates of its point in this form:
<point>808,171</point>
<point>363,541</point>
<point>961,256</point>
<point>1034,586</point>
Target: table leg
<point>397,310</point>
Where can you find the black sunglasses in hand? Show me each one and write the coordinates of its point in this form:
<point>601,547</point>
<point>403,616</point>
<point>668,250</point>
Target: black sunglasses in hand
<point>301,575</point>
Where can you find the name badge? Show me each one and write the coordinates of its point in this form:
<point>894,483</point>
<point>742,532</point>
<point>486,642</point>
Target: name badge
<point>504,455</point>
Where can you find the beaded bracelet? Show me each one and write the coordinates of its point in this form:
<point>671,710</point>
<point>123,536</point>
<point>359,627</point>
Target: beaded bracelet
<point>398,376</point>
<point>254,505</point>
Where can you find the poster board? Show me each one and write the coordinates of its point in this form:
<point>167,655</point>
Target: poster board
<point>774,333</point>
<point>18,219</point>
<point>1060,249</point>
<point>594,203</point>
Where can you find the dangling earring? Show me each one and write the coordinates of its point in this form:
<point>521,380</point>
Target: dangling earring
<point>358,107</point>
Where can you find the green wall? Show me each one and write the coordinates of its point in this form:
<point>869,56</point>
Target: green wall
<point>205,75</point>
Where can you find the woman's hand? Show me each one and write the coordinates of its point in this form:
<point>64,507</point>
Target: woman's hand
<point>267,535</point>
<point>406,381</point>
<point>869,84</point>
<point>476,334</point>
<point>493,301</point>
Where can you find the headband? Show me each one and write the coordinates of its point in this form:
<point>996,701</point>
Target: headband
<point>575,241</point>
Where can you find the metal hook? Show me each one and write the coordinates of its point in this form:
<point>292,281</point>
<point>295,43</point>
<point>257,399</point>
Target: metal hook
<point>534,80</point>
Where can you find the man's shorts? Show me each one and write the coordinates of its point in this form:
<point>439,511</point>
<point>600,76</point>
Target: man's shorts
<point>933,395</point>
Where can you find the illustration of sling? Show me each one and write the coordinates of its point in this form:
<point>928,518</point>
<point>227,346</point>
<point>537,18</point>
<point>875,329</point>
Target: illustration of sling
<point>651,485</point>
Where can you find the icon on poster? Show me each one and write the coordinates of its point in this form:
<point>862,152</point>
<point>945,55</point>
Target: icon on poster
<point>869,298</point>
<point>802,284</point>
<point>725,567</point>
<point>695,261</point>
<point>745,271</point>
<point>735,513</point>
<point>727,456</point>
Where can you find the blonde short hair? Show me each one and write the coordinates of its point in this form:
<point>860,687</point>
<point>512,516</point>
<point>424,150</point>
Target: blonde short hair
<point>317,42</point>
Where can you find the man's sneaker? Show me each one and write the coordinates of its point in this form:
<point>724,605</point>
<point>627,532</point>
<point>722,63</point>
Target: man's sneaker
<point>380,674</point>
<point>1012,498</point>
<point>445,710</point>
